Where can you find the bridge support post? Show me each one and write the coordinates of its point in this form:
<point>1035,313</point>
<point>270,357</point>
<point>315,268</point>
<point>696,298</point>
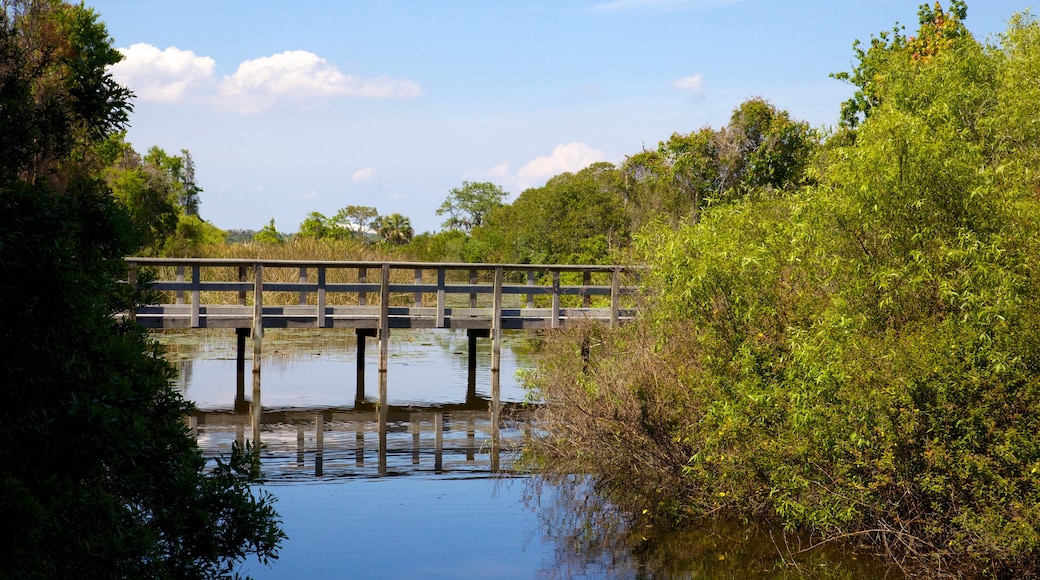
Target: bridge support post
<point>496,365</point>
<point>362,334</point>
<point>240,370</point>
<point>258,337</point>
<point>384,357</point>
<point>471,380</point>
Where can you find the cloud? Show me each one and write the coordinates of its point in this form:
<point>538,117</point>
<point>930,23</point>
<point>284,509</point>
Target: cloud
<point>300,76</point>
<point>163,76</point>
<point>569,157</point>
<point>693,85</point>
<point>173,76</point>
<point>500,170</point>
<point>363,175</point>
<point>660,5</point>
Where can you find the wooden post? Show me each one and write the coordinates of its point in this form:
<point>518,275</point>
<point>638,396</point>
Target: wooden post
<point>180,278</point>
<point>359,443</point>
<point>496,363</point>
<point>586,281</point>
<point>241,278</point>
<point>496,322</point>
<point>196,284</point>
<point>240,370</point>
<point>131,280</point>
<point>384,357</point>
<point>362,278</point>
<point>530,282</point>
<point>471,438</point>
<point>321,298</point>
<point>301,448</point>
<point>555,323</point>
<point>473,295</point>
<point>438,441</point>
<point>258,337</point>
<point>414,425</point>
<point>303,280</point>
<point>615,295</point>
<point>418,293</point>
<point>441,308</point>
<point>319,444</point>
<point>362,334</point>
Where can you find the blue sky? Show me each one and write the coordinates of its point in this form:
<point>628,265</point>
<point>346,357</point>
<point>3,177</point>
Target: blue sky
<point>289,108</point>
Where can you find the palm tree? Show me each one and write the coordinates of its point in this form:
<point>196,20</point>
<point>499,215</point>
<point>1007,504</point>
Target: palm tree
<point>394,229</point>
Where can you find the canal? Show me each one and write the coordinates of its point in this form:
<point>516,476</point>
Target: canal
<point>442,498</point>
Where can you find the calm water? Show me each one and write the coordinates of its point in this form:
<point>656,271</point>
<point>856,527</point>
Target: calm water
<point>440,499</point>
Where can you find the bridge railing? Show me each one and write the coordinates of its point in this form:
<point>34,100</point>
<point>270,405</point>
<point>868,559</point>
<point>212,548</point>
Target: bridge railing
<point>362,294</point>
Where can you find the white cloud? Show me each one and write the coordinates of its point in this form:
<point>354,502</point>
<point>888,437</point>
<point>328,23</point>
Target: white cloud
<point>300,76</point>
<point>297,76</point>
<point>500,170</point>
<point>164,76</point>
<point>694,85</point>
<point>570,157</point>
<point>660,5</point>
<point>363,175</point>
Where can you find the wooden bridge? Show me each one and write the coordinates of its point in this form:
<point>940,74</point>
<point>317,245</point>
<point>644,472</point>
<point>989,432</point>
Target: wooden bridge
<point>483,299</point>
<point>215,293</point>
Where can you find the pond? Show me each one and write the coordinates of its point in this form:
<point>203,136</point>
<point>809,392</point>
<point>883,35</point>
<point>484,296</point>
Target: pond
<point>436,493</point>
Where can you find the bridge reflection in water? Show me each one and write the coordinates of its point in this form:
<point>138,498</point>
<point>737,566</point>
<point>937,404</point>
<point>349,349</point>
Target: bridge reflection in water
<point>301,444</point>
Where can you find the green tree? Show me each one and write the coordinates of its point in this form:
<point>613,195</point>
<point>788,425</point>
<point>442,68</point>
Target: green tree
<point>269,234</point>
<point>938,29</point>
<point>394,229</point>
<point>574,217</point>
<point>468,205</point>
<point>98,474</point>
<point>316,226</point>
<point>761,148</point>
<point>356,220</point>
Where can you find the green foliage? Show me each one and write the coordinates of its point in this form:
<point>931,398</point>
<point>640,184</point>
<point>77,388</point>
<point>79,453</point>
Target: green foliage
<point>892,52</point>
<point>551,224</point>
<point>354,220</point>
<point>858,359</point>
<point>468,205</point>
<point>394,229</point>
<point>99,477</point>
<point>269,234</point>
<point>760,149</point>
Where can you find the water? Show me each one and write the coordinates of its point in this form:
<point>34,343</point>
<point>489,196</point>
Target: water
<point>435,493</point>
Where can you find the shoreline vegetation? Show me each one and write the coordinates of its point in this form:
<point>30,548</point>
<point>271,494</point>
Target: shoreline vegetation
<point>855,359</point>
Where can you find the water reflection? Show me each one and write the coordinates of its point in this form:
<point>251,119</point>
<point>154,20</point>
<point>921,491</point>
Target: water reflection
<point>593,540</point>
<point>439,477</point>
<point>306,444</point>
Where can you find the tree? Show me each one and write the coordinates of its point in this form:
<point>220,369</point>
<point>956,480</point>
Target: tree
<point>938,29</point>
<point>269,234</point>
<point>394,229</point>
<point>468,205</point>
<point>316,226</point>
<point>357,220</point>
<point>761,148</point>
<point>574,217</point>
<point>99,475</point>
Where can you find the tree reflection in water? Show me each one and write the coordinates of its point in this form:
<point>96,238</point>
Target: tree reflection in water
<point>592,539</point>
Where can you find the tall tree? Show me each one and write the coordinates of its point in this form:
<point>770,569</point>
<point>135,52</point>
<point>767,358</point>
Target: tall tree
<point>394,229</point>
<point>98,474</point>
<point>468,205</point>
<point>358,220</point>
